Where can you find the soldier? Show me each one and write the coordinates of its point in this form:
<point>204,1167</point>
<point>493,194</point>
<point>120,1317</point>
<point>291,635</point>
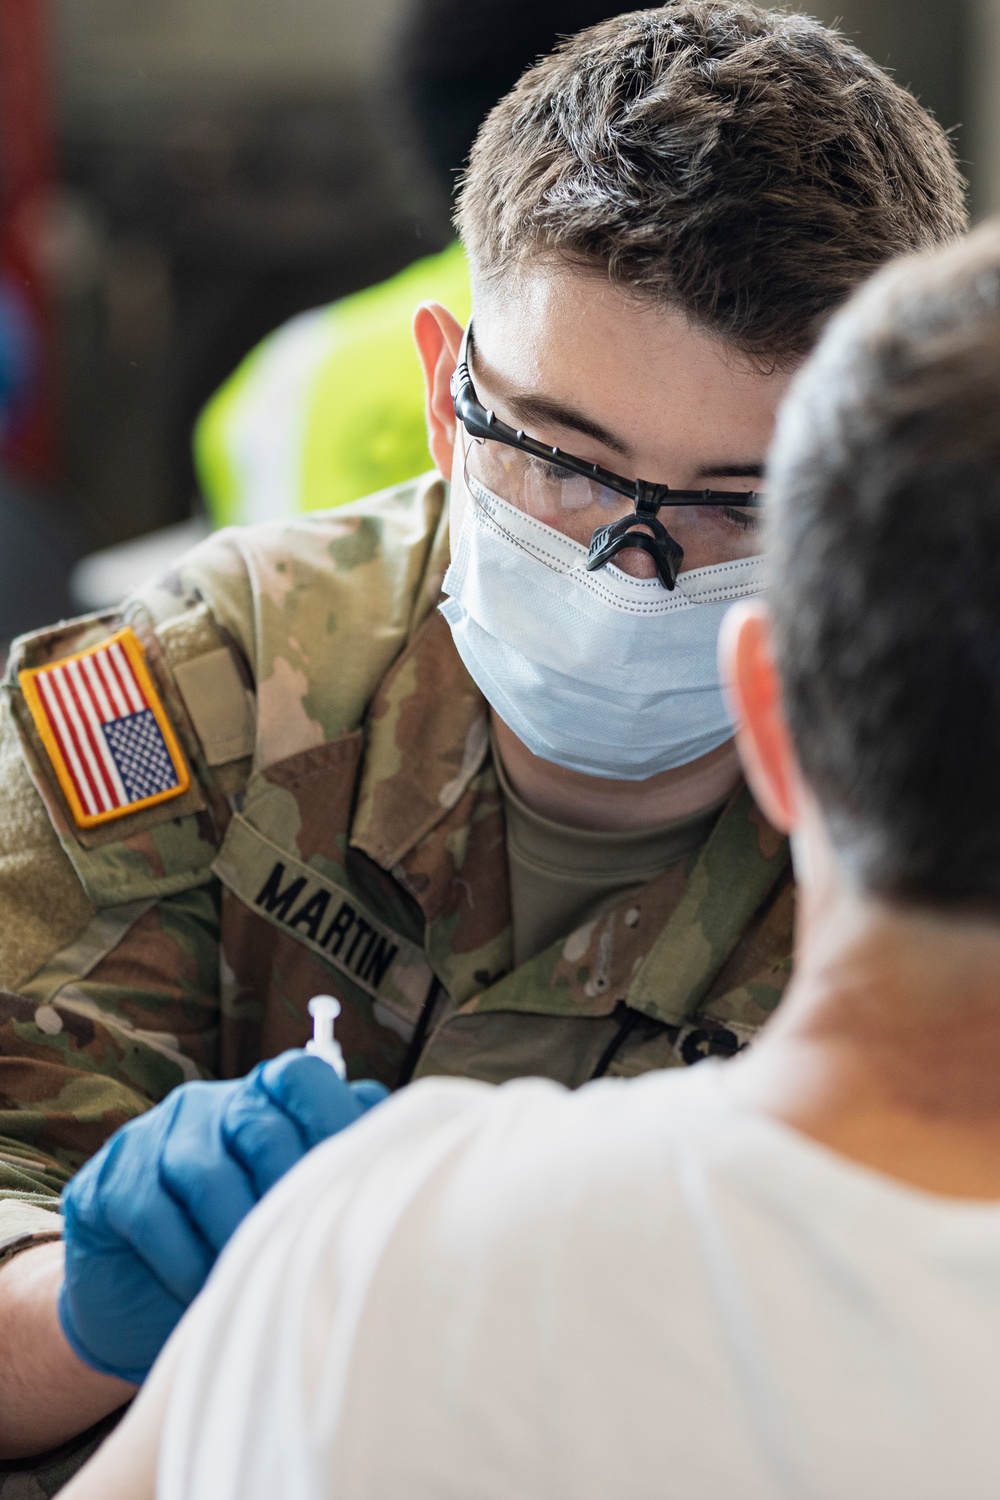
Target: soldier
<point>510,833</point>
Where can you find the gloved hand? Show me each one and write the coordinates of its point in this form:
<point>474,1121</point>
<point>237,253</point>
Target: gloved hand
<point>146,1218</point>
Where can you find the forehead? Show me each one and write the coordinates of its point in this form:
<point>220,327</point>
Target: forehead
<point>640,370</point>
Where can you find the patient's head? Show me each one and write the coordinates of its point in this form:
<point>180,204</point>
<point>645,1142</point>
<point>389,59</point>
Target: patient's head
<point>886,578</point>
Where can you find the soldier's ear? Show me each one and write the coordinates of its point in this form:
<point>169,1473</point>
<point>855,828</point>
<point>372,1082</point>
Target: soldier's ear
<point>753,689</point>
<point>438,338</point>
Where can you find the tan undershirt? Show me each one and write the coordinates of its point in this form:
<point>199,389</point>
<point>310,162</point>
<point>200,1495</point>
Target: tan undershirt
<point>561,876</point>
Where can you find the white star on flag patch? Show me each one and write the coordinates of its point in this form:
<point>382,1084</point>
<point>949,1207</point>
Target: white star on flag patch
<point>105,731</point>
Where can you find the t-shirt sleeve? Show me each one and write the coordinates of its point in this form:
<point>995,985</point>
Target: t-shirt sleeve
<point>333,1283</point>
<point>463,1294</point>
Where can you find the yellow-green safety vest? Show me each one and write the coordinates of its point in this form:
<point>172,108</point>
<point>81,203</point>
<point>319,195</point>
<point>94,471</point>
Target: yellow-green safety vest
<point>329,407</point>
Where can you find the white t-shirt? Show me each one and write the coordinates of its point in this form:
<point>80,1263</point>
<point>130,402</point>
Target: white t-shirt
<point>636,1289</point>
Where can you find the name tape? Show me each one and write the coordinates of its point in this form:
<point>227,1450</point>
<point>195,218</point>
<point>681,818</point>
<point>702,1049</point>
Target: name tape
<point>326,917</point>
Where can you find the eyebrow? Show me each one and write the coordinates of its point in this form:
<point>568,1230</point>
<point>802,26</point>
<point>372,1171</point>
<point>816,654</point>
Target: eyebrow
<point>539,410</point>
<point>753,470</point>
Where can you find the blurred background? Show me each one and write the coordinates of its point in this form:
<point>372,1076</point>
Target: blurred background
<point>180,177</point>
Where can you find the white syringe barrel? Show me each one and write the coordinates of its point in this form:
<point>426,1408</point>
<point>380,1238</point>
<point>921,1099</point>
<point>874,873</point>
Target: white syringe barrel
<point>324,1010</point>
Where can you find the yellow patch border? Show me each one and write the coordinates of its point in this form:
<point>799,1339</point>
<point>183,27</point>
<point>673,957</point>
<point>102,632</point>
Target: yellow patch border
<point>130,644</point>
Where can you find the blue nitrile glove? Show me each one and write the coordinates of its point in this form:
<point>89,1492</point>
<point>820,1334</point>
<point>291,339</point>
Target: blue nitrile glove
<point>147,1216</point>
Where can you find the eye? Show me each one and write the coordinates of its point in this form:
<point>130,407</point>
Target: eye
<point>549,473</point>
<point>745,517</point>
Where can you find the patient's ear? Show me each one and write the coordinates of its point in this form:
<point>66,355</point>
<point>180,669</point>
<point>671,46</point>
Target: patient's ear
<point>753,689</point>
<point>438,338</point>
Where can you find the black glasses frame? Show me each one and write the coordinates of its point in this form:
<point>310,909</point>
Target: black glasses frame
<point>647,497</point>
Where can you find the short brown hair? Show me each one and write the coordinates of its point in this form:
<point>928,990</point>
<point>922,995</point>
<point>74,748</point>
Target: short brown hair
<point>884,485</point>
<point>745,165</point>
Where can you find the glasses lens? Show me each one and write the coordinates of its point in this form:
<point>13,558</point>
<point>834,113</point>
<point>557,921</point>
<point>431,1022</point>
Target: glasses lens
<point>713,534</point>
<point>566,502</point>
<point>709,534</point>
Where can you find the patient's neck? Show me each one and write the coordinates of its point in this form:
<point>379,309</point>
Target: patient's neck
<point>887,1045</point>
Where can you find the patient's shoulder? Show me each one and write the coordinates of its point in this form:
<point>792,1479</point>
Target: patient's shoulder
<point>538,1148</point>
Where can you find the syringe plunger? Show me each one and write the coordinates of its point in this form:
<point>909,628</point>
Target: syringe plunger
<point>324,1010</point>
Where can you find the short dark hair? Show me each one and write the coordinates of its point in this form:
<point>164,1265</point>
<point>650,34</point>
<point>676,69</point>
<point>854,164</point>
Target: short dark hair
<point>885,538</point>
<point>747,166</point>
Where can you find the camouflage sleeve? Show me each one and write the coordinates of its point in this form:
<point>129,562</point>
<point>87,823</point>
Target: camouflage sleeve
<point>106,1028</point>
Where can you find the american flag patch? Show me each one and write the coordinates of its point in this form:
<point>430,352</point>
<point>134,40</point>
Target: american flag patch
<point>105,731</point>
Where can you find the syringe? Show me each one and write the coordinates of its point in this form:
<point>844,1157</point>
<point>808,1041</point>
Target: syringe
<point>324,1010</point>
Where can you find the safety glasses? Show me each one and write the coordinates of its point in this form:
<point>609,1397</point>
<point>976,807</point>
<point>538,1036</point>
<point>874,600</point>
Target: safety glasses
<point>605,511</point>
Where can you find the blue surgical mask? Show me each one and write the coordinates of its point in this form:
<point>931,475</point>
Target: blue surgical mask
<point>598,672</point>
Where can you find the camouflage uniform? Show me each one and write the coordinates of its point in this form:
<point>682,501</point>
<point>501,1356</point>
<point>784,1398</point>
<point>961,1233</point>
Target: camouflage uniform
<point>343,831</point>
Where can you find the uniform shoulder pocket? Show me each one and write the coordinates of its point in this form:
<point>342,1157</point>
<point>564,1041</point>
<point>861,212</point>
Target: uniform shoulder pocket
<point>112,750</point>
